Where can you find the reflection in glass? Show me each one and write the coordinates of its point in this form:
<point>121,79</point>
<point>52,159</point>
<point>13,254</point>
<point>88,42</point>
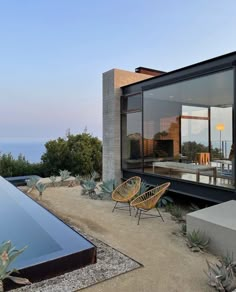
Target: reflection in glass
<point>180,126</point>
<point>132,141</point>
<point>131,103</point>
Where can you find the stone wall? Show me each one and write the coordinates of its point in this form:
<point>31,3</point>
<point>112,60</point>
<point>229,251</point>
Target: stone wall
<point>112,81</point>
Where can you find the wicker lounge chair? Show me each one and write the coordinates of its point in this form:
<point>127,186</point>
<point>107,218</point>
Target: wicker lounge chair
<point>148,200</point>
<point>125,192</point>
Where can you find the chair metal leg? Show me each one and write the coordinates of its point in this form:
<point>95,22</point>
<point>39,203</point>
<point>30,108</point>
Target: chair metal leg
<point>129,210</point>
<point>160,214</point>
<point>114,207</point>
<point>136,213</point>
<point>139,216</point>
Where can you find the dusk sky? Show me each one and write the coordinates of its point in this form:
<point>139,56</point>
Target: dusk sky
<point>53,54</point>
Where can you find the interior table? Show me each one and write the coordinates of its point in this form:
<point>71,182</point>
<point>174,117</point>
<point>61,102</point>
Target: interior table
<point>187,167</point>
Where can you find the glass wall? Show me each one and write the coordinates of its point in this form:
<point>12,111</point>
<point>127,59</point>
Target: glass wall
<point>131,119</point>
<point>187,129</point>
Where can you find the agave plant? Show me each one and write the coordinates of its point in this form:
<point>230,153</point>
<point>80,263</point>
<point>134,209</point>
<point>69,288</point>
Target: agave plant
<point>144,187</point>
<point>164,201</point>
<point>41,188</point>
<point>7,255</point>
<point>221,276</point>
<point>53,179</point>
<point>183,229</point>
<point>228,260</point>
<point>177,213</point>
<point>95,175</point>
<point>197,241</point>
<point>89,187</point>
<point>108,186</point>
<point>31,183</point>
<point>65,174</point>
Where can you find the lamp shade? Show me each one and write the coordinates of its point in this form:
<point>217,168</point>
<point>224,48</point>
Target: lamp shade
<point>220,127</point>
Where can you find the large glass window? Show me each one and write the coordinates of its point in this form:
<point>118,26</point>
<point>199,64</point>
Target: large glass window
<point>187,130</point>
<point>132,133</point>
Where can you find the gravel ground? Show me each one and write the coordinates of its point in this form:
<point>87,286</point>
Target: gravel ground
<point>110,263</point>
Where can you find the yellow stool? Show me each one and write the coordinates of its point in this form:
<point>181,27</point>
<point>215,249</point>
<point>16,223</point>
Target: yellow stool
<point>203,158</point>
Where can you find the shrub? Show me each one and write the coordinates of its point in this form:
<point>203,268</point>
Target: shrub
<point>80,154</point>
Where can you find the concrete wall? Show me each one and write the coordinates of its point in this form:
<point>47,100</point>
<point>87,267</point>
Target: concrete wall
<point>218,224</point>
<point>112,81</point>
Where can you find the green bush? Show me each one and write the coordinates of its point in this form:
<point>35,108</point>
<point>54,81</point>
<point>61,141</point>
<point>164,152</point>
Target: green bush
<point>80,154</point>
<point>20,166</point>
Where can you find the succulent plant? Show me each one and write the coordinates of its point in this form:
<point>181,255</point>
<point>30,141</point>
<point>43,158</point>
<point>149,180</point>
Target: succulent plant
<point>197,241</point>
<point>53,179</point>
<point>65,174</point>
<point>7,255</point>
<point>183,229</point>
<point>221,276</point>
<point>177,213</point>
<point>41,188</point>
<point>164,201</point>
<point>31,183</point>
<point>144,187</point>
<point>108,186</point>
<point>95,175</point>
<point>89,187</point>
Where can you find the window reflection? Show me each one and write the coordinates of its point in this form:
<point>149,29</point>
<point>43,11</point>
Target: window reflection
<point>132,141</point>
<point>181,139</point>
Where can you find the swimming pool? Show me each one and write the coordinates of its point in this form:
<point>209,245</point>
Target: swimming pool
<point>53,247</point>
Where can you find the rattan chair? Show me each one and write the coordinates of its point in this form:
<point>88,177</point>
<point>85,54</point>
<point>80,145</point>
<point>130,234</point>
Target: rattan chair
<point>125,192</point>
<point>148,201</point>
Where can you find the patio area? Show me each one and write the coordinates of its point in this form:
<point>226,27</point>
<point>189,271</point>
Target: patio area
<point>168,265</point>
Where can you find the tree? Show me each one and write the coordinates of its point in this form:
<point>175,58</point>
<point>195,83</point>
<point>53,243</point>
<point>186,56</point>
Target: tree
<point>80,154</point>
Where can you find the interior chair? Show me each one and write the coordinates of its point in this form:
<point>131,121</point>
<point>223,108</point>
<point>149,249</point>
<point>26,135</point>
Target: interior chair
<point>148,201</point>
<point>125,192</point>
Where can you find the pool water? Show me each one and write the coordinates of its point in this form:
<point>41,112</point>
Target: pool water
<point>50,241</point>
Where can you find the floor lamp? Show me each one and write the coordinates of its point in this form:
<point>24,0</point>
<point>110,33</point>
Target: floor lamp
<point>220,127</point>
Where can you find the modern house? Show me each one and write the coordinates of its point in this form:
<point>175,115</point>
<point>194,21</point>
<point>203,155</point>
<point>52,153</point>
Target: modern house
<point>176,126</point>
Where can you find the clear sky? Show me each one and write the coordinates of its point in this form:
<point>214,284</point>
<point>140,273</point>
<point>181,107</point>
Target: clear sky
<point>53,54</point>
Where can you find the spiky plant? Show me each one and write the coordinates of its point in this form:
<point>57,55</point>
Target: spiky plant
<point>197,241</point>
<point>221,276</point>
<point>89,187</point>
<point>78,178</point>
<point>41,188</point>
<point>164,201</point>
<point>228,260</point>
<point>108,186</point>
<point>177,213</point>
<point>194,207</point>
<point>64,174</point>
<point>31,183</point>
<point>183,229</point>
<point>95,175</point>
<point>7,255</point>
<point>53,179</point>
<point>144,187</point>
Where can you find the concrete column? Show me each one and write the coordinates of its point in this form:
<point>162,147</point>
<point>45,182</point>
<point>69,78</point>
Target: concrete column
<point>112,81</point>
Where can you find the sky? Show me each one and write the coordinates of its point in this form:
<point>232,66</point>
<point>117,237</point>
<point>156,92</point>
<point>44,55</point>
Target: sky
<point>53,54</point>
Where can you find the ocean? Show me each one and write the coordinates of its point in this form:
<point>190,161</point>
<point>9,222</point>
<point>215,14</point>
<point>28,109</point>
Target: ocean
<point>31,150</point>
